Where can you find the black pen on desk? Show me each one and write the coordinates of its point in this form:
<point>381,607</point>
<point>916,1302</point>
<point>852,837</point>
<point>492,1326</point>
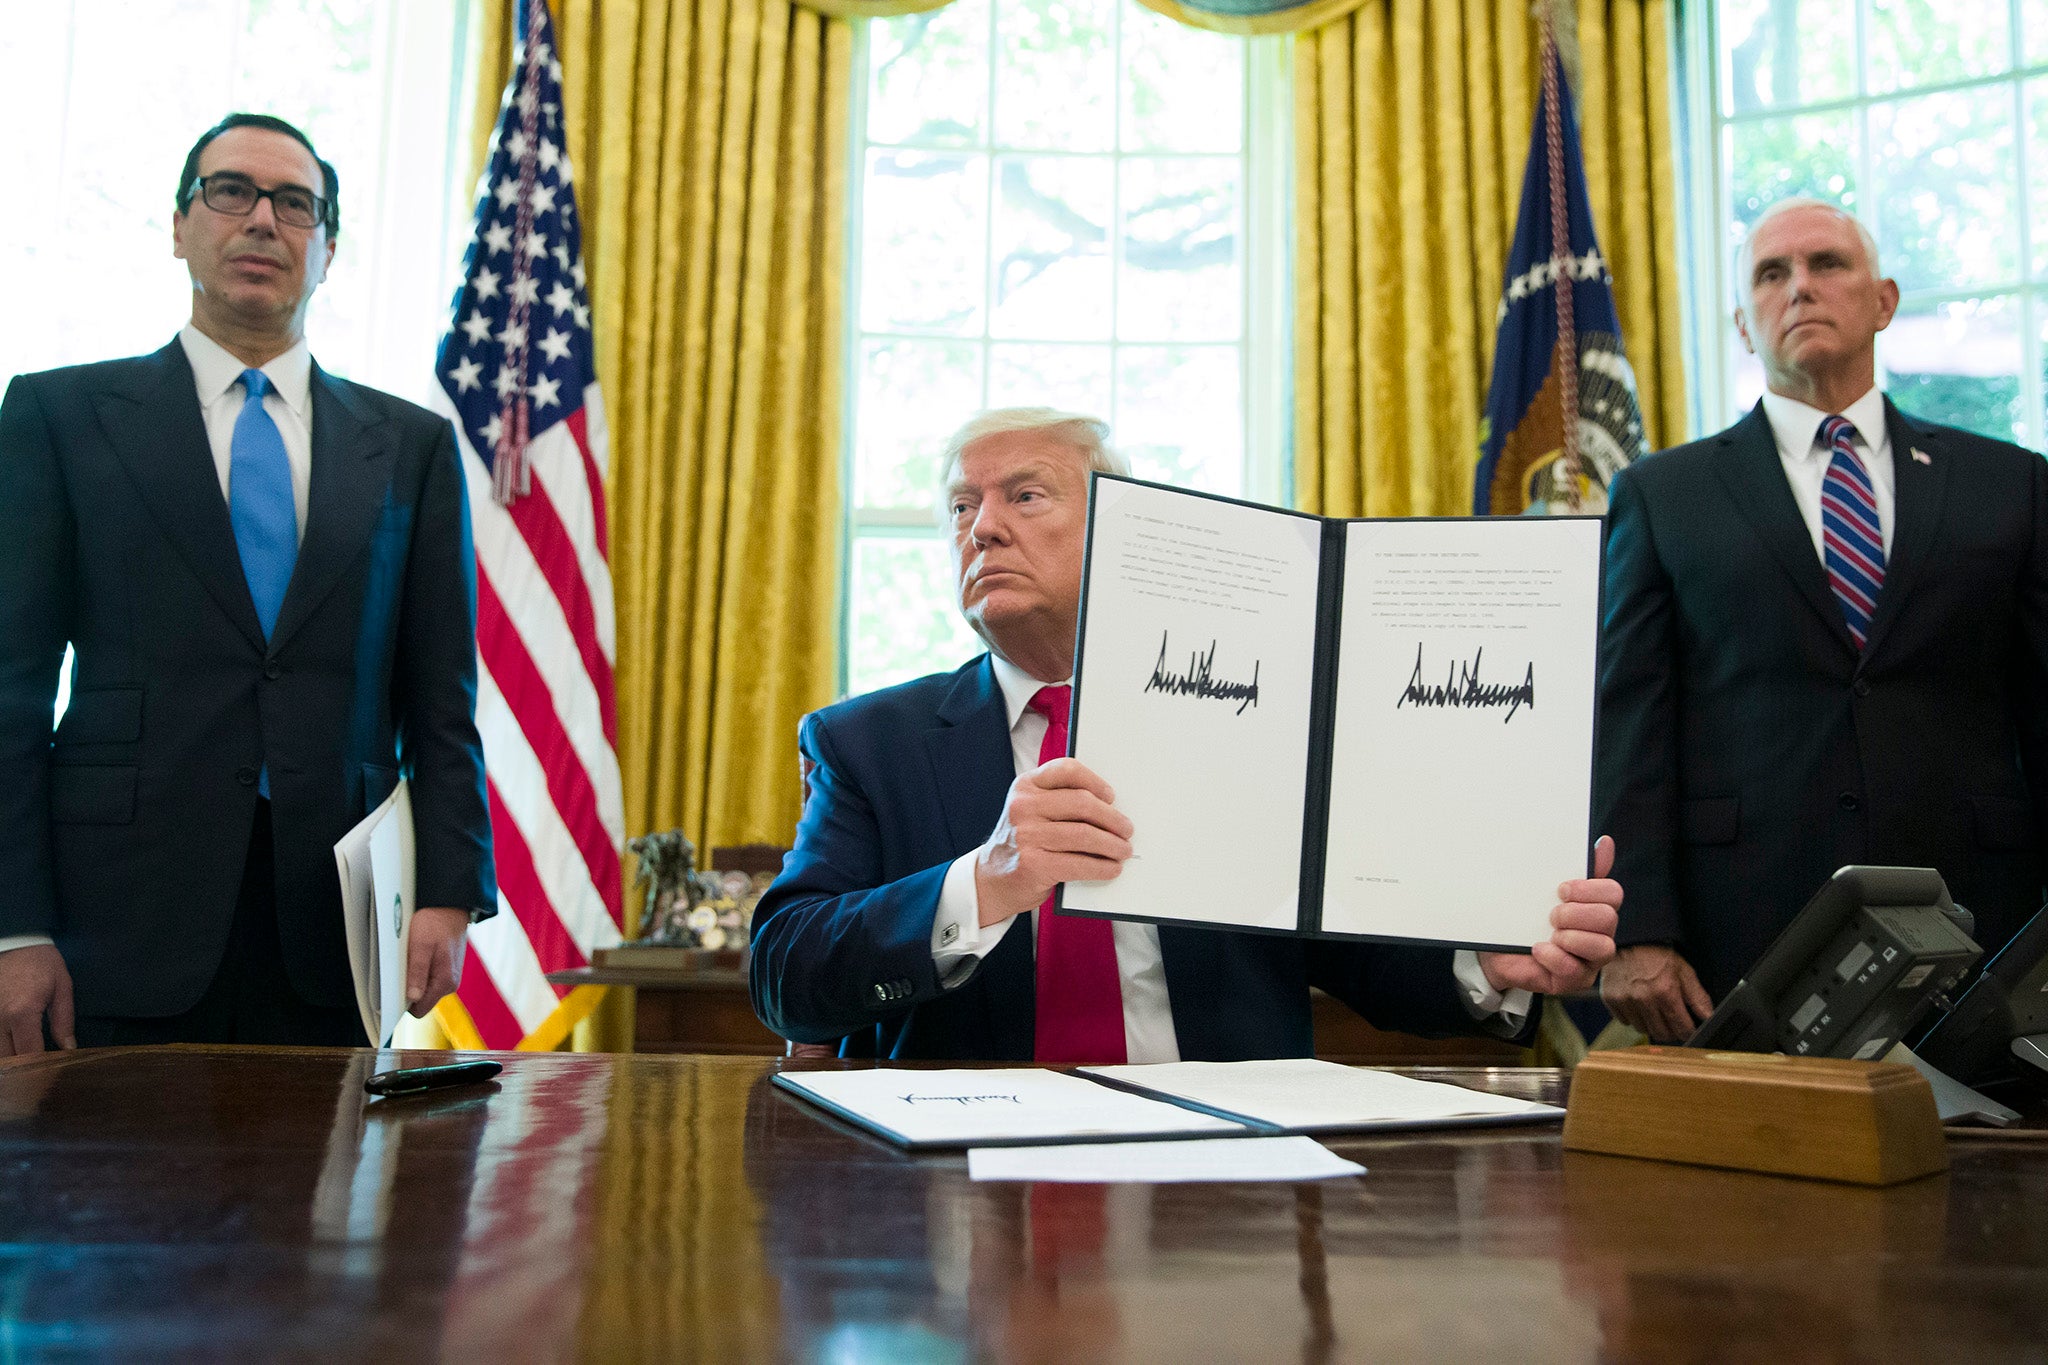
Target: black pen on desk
<point>412,1080</point>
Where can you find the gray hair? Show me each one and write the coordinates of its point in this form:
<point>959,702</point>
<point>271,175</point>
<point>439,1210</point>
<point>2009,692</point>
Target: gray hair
<point>1745,261</point>
<point>1089,437</point>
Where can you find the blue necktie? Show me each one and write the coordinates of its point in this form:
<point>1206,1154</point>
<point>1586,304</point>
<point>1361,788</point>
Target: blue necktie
<point>260,502</point>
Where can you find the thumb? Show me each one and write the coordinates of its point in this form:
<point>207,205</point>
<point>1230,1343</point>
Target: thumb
<point>419,964</point>
<point>1696,997</point>
<point>1603,855</point>
<point>63,1024</point>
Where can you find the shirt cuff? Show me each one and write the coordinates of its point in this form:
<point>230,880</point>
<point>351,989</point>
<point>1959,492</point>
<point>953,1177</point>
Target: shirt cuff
<point>8,945</point>
<point>959,941</point>
<point>1503,1011</point>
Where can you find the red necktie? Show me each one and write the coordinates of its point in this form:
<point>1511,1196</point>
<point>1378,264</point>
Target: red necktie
<point>1080,1011</point>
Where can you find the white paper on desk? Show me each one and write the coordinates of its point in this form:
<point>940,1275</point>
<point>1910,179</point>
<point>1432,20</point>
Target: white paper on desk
<point>375,863</point>
<point>1461,780</point>
<point>1195,683</point>
<point>1308,1095</point>
<point>1159,1163</point>
<point>960,1108</point>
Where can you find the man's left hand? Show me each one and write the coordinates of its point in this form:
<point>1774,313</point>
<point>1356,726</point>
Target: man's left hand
<point>1581,940</point>
<point>433,957</point>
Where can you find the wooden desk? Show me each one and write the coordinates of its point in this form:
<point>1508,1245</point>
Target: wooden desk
<point>706,1010</point>
<point>228,1204</point>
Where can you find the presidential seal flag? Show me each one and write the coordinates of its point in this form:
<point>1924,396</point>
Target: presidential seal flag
<point>516,372</point>
<point>1556,350</point>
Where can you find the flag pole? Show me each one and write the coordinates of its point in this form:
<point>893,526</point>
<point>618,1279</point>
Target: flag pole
<point>1560,256</point>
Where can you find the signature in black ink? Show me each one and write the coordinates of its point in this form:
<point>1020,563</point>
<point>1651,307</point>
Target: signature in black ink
<point>1461,687</point>
<point>959,1099</point>
<point>1198,681</point>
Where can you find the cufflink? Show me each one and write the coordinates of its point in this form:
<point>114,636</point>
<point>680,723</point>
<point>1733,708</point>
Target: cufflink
<point>949,935</point>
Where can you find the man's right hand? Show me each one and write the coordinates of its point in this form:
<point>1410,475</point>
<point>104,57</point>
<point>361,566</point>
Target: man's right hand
<point>1058,825</point>
<point>34,983</point>
<point>1652,989</point>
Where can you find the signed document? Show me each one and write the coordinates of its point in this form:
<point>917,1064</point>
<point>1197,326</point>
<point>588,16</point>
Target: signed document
<point>980,1108</point>
<point>1374,729</point>
<point>1025,1106</point>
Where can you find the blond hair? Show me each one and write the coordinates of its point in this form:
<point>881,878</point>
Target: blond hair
<point>1089,437</point>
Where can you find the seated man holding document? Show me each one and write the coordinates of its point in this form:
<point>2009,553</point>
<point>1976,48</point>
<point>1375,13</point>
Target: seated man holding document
<point>943,813</point>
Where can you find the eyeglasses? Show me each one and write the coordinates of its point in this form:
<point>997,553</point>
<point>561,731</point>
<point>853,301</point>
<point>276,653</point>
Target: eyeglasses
<point>236,196</point>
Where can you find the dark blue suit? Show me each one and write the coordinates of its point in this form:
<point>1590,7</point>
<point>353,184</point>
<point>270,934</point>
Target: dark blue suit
<point>1748,749</point>
<point>124,835</point>
<point>911,777</point>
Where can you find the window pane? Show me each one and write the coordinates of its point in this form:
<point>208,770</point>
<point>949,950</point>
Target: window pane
<point>1778,53</point>
<point>1913,42</point>
<point>928,76</point>
<point>1055,75</point>
<point>2034,29</point>
<point>913,395</point>
<point>1947,201</point>
<point>1052,276</point>
<point>1178,415</point>
<point>1180,279</point>
<point>906,622</point>
<point>1073,378</point>
<point>923,236</point>
<point>1183,88</point>
<point>1958,363</point>
<point>1780,158</point>
<point>2037,164</point>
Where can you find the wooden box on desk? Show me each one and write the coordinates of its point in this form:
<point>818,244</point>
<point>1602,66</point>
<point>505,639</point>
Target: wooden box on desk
<point>1869,1123</point>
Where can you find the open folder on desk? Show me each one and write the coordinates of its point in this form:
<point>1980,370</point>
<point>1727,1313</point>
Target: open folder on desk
<point>1003,1108</point>
<point>375,861</point>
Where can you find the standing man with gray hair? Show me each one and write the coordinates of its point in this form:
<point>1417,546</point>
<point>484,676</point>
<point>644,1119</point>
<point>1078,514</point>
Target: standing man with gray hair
<point>911,919</point>
<point>1826,642</point>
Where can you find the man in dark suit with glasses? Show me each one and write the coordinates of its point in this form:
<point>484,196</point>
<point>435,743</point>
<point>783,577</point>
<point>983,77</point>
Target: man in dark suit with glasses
<point>266,575</point>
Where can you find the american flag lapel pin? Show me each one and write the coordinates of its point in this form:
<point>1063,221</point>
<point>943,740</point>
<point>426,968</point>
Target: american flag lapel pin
<point>1922,456</point>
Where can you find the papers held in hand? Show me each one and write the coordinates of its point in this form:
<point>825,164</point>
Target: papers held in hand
<point>1018,1106</point>
<point>375,860</point>
<point>1395,717</point>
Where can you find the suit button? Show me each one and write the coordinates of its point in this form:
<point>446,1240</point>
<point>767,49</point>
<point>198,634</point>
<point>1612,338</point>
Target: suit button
<point>246,776</point>
<point>1862,687</point>
<point>1849,801</point>
<point>272,672</point>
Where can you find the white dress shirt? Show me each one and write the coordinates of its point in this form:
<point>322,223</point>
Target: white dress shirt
<point>217,374</point>
<point>958,938</point>
<point>1796,428</point>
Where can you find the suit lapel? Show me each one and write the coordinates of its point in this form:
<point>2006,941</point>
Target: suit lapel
<point>1919,490</point>
<point>154,425</point>
<point>1755,478</point>
<point>972,764</point>
<point>970,754</point>
<point>351,469</point>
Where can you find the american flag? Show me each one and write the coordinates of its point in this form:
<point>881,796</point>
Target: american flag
<point>517,372</point>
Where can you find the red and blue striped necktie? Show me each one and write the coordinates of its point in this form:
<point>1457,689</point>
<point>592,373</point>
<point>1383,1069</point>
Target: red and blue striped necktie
<point>1852,543</point>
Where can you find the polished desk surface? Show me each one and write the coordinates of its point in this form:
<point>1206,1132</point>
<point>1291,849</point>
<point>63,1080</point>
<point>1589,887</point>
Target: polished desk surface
<point>236,1203</point>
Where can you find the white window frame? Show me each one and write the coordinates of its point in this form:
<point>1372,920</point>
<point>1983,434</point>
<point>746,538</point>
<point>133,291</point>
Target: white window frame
<point>1711,288</point>
<point>1265,347</point>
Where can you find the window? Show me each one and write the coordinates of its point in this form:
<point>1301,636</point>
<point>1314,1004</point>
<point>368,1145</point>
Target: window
<point>110,96</point>
<point>1064,202</point>
<point>1927,120</point>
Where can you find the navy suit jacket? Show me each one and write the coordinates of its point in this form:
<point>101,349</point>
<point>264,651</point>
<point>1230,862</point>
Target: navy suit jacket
<point>1748,749</point>
<point>909,778</point>
<point>123,835</point>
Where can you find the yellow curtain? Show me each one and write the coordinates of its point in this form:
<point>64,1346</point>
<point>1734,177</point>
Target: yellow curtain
<point>1412,122</point>
<point>709,139</point>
